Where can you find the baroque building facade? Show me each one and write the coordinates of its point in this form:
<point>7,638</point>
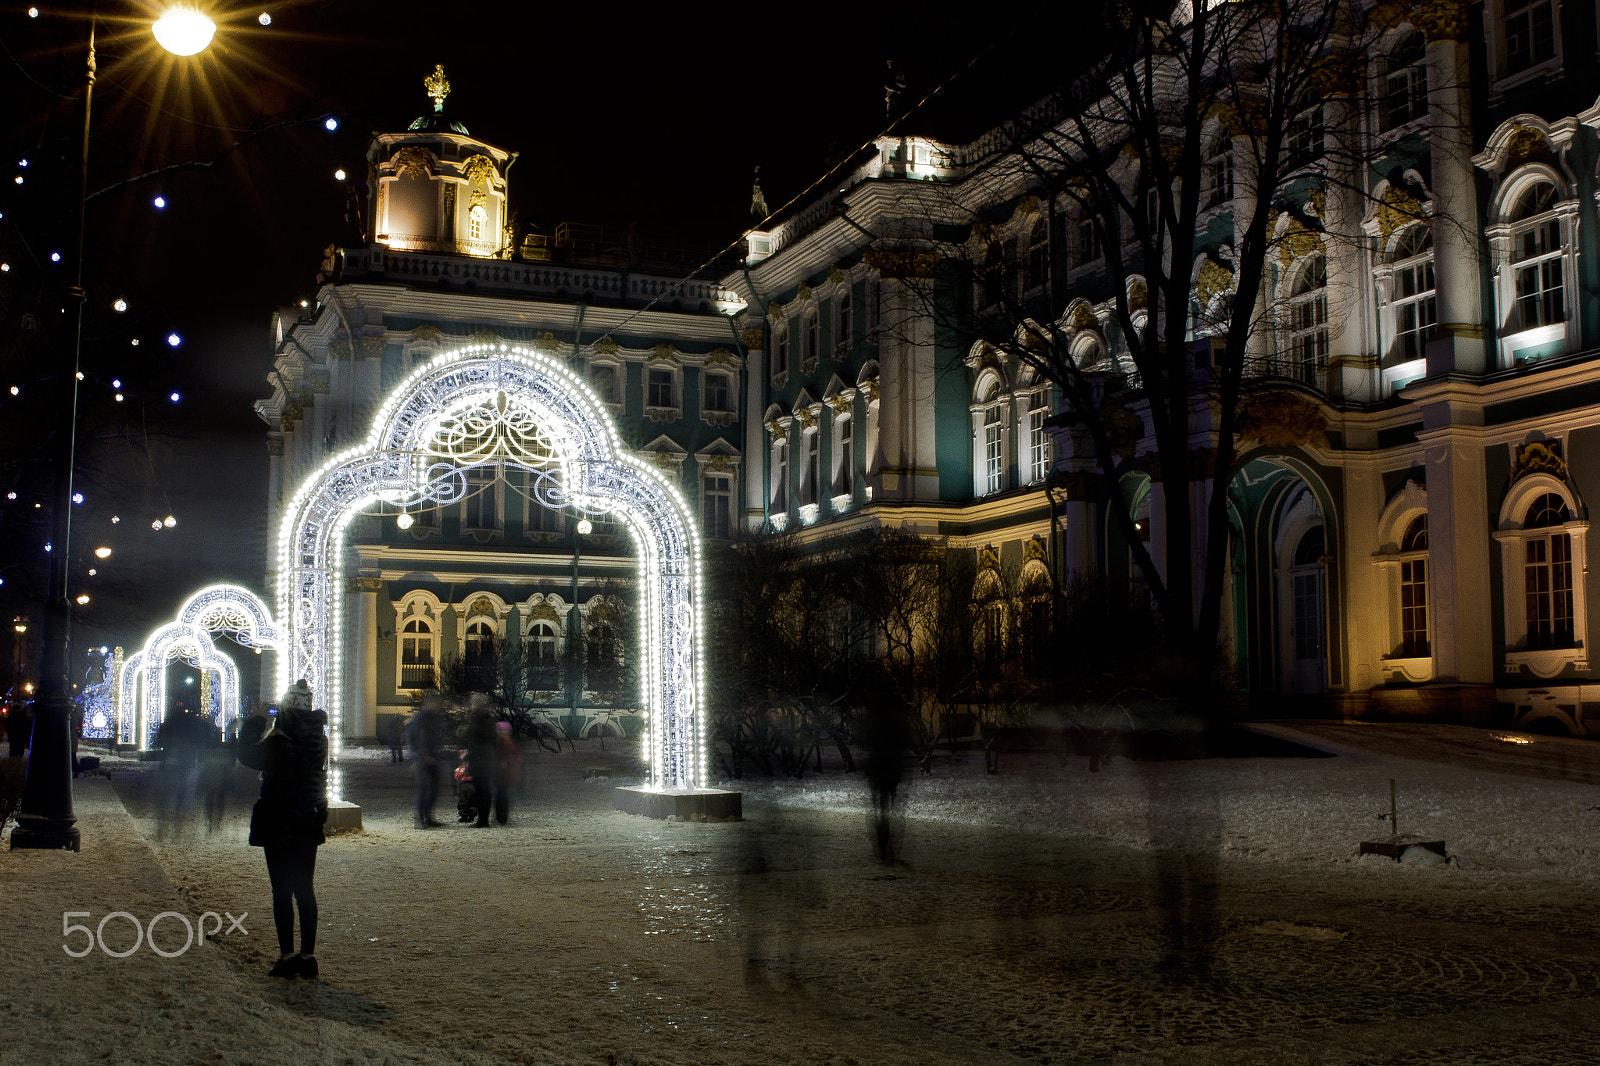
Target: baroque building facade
<point>1408,532</point>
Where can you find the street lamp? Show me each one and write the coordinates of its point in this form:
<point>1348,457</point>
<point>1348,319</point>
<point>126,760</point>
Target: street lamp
<point>574,631</point>
<point>46,819</point>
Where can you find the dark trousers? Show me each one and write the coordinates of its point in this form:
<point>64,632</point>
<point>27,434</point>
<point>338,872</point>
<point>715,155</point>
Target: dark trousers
<point>427,789</point>
<point>502,805</point>
<point>290,868</point>
<point>482,799</point>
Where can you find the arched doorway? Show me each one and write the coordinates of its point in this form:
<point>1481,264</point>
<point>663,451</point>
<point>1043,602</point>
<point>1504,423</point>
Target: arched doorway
<point>502,404</point>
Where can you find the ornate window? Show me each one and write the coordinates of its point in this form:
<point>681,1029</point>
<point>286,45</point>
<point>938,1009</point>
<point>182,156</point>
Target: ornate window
<point>606,381</point>
<point>1402,88</point>
<point>1530,34</point>
<point>1414,589</point>
<point>1303,141</point>
<point>843,324</point>
<point>478,653</point>
<point>1536,260</point>
<point>418,655</point>
<point>1412,300</point>
<point>780,477</point>
<point>809,358</point>
<point>716,506</point>
<point>543,652</point>
<point>718,390</point>
<point>477,218</point>
<point>780,355</point>
<point>1089,247</point>
<point>990,439</point>
<point>844,456</point>
<point>661,392</point>
<point>1543,552</point>
<point>808,476</point>
<point>1219,172</point>
<point>994,455</point>
<point>1039,254</point>
<point>480,508</point>
<point>1308,321</point>
<point>1038,439</point>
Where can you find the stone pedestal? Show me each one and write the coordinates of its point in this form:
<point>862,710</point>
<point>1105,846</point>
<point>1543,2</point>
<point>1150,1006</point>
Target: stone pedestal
<point>686,805</point>
<point>343,815</point>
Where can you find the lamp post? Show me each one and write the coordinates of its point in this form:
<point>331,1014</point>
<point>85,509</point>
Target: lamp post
<point>46,819</point>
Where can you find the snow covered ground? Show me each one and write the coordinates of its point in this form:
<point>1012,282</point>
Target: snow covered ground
<point>1194,912</point>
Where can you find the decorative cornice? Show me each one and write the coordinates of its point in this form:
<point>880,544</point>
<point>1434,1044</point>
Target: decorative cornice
<point>665,353</point>
<point>901,264</point>
<point>413,162</point>
<point>373,345</point>
<point>363,583</point>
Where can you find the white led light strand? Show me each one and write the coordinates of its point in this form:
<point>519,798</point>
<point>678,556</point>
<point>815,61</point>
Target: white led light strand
<point>498,403</point>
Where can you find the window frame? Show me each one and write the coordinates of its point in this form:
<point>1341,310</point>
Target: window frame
<point>1524,649</point>
<point>1308,328</point>
<point>490,490</point>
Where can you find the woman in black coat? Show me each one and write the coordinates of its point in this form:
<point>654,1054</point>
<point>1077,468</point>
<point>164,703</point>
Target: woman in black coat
<point>288,818</point>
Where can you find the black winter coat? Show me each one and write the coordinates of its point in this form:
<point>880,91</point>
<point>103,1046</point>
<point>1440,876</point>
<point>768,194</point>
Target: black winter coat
<point>294,779</point>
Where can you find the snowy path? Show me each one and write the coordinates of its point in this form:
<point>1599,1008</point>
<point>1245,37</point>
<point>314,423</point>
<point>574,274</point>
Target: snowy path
<point>1029,926</point>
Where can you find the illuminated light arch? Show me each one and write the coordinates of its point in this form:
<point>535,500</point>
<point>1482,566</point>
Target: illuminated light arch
<point>502,404</point>
<point>228,609</point>
<point>143,685</point>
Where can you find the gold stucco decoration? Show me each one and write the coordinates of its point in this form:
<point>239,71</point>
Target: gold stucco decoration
<point>373,345</point>
<point>274,445</point>
<point>364,583</point>
<point>721,355</point>
<point>321,381</point>
<point>547,342</point>
<point>835,275</point>
<point>339,348</point>
<point>869,389</point>
<point>666,459</point>
<point>839,403</point>
<point>1439,20</point>
<point>988,558</point>
<point>414,162</point>
<point>1034,549</point>
<point>1028,205</point>
<point>1212,280</point>
<point>438,86</point>
<point>485,336</point>
<point>775,310</point>
<point>1396,210</point>
<point>478,198</point>
<point>1083,318</point>
<point>478,169</point>
<point>427,333</point>
<point>807,417</point>
<point>804,292</point>
<point>1297,242</point>
<point>900,264</point>
<point>481,605</point>
<point>1527,145</point>
<point>1280,420</point>
<point>542,612</point>
<point>719,462</point>
<point>606,346</point>
<point>664,353</point>
<point>1538,457</point>
<point>1139,295</point>
<point>753,338</point>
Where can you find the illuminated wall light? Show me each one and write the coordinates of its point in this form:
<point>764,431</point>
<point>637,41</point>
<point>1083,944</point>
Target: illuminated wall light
<point>5,268</point>
<point>102,553</point>
<point>115,519</point>
<point>338,175</point>
<point>404,520</point>
<point>11,495</point>
<point>264,18</point>
<point>77,497</point>
<point>119,397</point>
<point>174,340</point>
<point>156,524</point>
<point>93,572</point>
<point>330,123</point>
<point>119,304</point>
<point>174,397</point>
<point>33,12</point>
<point>160,202</point>
<point>55,257</point>
<point>15,390</point>
<point>19,179</point>
<point>83,598</point>
<point>169,521</point>
<point>80,375</point>
<point>22,162</point>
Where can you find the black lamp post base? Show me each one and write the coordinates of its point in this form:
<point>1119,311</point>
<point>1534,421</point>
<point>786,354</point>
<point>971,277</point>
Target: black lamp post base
<point>44,834</point>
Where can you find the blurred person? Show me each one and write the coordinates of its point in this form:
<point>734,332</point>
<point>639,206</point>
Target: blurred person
<point>216,775</point>
<point>181,739</point>
<point>507,771</point>
<point>397,739</point>
<point>887,737</point>
<point>482,754</point>
<point>292,754</point>
<point>424,737</point>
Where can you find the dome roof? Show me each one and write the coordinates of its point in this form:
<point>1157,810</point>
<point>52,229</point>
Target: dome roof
<point>437,122</point>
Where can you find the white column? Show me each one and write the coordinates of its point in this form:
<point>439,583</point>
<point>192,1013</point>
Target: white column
<point>1458,554</point>
<point>1458,341</point>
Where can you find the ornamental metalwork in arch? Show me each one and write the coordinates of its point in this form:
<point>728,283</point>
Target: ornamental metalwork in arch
<point>231,610</point>
<point>143,689</point>
<point>498,404</point>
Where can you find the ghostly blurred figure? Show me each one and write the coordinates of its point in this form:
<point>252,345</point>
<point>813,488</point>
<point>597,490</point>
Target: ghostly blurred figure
<point>1185,826</point>
<point>886,735</point>
<point>181,740</point>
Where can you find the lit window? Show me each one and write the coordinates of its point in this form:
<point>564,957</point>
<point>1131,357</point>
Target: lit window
<point>1302,141</point>
<point>844,456</point>
<point>994,463</point>
<point>780,354</point>
<point>1038,440</point>
<point>416,655</point>
<point>1547,575</point>
<point>1536,251</point>
<point>544,670</point>
<point>808,482</point>
<point>1403,83</point>
<point>1308,321</point>
<point>477,218</point>
<point>780,477</point>
<point>1413,302</point>
<point>1530,28</point>
<point>1414,590</point>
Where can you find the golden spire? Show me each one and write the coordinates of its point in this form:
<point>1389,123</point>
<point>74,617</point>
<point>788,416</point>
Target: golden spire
<point>438,86</point>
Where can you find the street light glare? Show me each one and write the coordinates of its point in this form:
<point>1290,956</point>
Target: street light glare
<point>160,202</point>
<point>102,553</point>
<point>83,598</point>
<point>585,527</point>
<point>119,304</point>
<point>174,340</point>
<point>404,520</point>
<point>330,124</point>
<point>169,521</point>
<point>183,31</point>
<point>338,175</point>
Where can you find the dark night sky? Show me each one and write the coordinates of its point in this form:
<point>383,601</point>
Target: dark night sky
<point>650,115</point>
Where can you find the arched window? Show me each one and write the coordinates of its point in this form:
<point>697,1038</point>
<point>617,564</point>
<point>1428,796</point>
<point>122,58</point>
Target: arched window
<point>1308,321</point>
<point>417,656</point>
<point>1402,89</point>
<point>1038,457</point>
<point>989,618</point>
<point>477,219</point>
<point>989,436</point>
<point>478,656</point>
<point>810,474</point>
<point>1536,253</point>
<point>810,356</point>
<point>544,668</point>
<point>780,352</point>
<point>843,324</point>
<point>1547,574</point>
<point>1414,590</point>
<point>602,656</point>
<point>1039,254</point>
<point>1412,299</point>
<point>604,378</point>
<point>1219,171</point>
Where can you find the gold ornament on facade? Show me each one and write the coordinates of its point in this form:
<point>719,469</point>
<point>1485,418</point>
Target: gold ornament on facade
<point>1439,20</point>
<point>1083,318</point>
<point>988,558</point>
<point>1280,420</point>
<point>321,381</point>
<point>1297,242</point>
<point>364,583</point>
<point>1138,295</point>
<point>426,333</point>
<point>779,428</point>
<point>1538,457</point>
<point>835,275</point>
<point>775,311</point>
<point>719,463</point>
<point>486,336</point>
<point>807,417</point>
<point>606,346</point>
<point>664,353</point>
<point>339,349</point>
<point>478,170</point>
<point>477,199</point>
<point>839,402</point>
<point>804,292</point>
<point>373,345</point>
<point>1028,205</point>
<point>869,389</point>
<point>1034,550</point>
<point>438,86</point>
<point>899,264</point>
<point>753,338</point>
<point>274,445</point>
<point>1211,281</point>
<point>1396,210</point>
<point>413,162</point>
<point>481,605</point>
<point>665,460</point>
<point>547,342</point>
<point>721,355</point>
<point>1527,145</point>
<point>543,612</point>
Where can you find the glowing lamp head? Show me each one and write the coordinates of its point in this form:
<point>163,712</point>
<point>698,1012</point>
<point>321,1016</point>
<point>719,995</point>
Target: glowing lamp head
<point>183,31</point>
<point>83,598</point>
<point>585,526</point>
<point>338,175</point>
<point>119,305</point>
<point>264,18</point>
<point>173,340</point>
<point>102,553</point>
<point>169,521</point>
<point>160,202</point>
<point>404,520</point>
<point>175,397</point>
<point>330,123</point>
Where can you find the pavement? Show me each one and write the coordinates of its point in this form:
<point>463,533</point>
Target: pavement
<point>579,934</point>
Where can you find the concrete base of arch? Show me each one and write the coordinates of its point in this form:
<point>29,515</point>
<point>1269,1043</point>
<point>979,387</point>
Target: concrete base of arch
<point>686,804</point>
<point>343,815</point>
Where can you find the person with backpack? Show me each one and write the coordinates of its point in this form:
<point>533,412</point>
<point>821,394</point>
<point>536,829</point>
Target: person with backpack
<point>292,755</point>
